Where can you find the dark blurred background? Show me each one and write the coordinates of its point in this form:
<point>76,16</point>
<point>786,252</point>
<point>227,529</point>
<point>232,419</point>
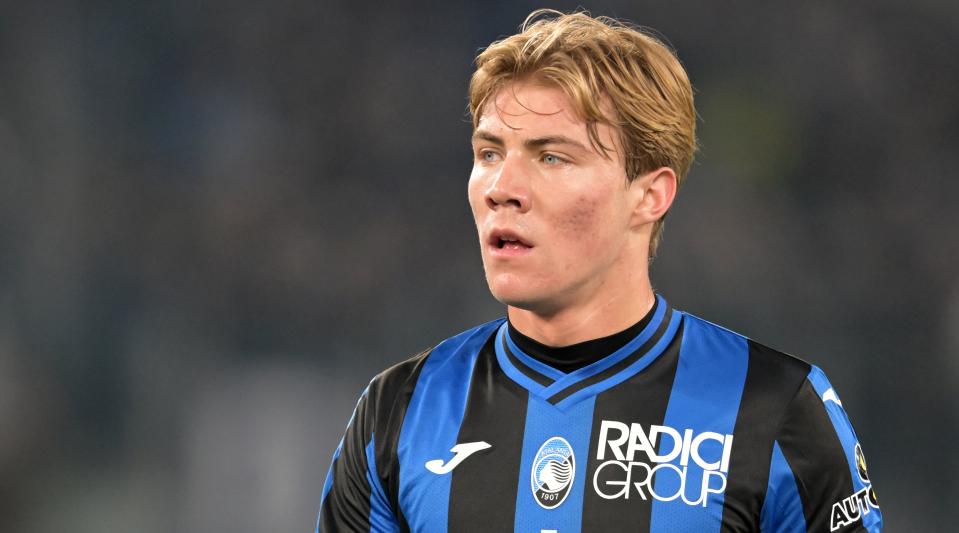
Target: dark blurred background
<point>219,219</point>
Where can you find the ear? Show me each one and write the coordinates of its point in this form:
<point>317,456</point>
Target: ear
<point>651,195</point>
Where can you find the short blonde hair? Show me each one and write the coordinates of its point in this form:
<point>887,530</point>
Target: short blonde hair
<point>598,61</point>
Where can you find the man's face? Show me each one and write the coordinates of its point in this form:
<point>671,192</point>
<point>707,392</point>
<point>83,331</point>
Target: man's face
<point>552,213</point>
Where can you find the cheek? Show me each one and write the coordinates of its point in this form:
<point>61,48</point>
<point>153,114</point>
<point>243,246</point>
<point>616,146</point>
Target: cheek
<point>579,224</point>
<point>474,192</point>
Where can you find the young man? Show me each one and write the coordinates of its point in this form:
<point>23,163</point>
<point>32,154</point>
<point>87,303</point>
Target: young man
<point>594,406</point>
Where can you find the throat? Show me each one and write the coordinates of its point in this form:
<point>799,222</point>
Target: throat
<point>575,356</point>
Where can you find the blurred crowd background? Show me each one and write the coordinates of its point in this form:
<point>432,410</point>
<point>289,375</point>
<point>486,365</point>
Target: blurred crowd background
<point>219,219</point>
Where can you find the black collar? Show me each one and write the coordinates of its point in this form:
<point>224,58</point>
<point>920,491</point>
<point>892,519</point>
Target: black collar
<point>575,356</point>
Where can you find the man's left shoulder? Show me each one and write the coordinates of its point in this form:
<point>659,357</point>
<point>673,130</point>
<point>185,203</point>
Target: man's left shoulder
<point>777,369</point>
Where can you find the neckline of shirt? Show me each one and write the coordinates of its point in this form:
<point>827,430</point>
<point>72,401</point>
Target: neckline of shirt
<point>570,358</point>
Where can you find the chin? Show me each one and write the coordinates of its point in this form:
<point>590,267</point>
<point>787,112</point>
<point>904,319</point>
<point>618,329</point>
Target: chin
<point>511,291</point>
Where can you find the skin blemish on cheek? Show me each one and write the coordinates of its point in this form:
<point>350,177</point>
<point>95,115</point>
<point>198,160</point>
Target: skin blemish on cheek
<point>579,222</point>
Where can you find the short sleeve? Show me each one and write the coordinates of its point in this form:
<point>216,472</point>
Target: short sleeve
<point>818,481</point>
<point>353,497</point>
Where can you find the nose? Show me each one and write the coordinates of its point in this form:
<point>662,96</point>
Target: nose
<point>509,187</point>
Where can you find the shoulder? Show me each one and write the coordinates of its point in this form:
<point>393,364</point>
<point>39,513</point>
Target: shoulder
<point>398,381</point>
<point>769,372</point>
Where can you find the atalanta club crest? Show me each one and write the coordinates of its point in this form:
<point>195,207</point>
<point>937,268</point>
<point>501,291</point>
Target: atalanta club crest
<point>553,469</point>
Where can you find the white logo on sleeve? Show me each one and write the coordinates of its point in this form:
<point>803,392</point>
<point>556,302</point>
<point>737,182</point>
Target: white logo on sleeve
<point>860,503</point>
<point>830,395</point>
<point>462,451</point>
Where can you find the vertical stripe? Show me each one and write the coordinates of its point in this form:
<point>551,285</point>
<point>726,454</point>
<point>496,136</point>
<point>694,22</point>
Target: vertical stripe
<point>872,517</point>
<point>772,380</point>
<point>394,391</point>
<point>705,398</point>
<point>381,516</point>
<point>609,505</point>
<point>782,510</point>
<point>483,490</point>
<point>339,448</point>
<point>814,453</point>
<point>432,422</point>
<point>544,422</point>
<point>328,484</point>
<point>840,422</point>
<point>346,504</point>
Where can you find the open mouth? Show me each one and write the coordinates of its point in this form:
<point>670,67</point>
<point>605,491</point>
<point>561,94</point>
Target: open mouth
<point>510,244</point>
<point>506,240</point>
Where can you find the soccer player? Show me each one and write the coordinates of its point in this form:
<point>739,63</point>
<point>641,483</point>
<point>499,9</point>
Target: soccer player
<point>594,405</point>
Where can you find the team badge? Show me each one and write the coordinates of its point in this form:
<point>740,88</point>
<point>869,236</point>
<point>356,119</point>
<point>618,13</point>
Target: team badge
<point>553,469</point>
<point>861,464</point>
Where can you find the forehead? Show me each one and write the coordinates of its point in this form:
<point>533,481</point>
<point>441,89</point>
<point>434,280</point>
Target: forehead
<point>529,109</point>
<point>526,106</point>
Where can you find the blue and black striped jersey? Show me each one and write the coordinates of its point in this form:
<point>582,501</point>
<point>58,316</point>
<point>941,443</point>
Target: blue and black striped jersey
<point>688,427</point>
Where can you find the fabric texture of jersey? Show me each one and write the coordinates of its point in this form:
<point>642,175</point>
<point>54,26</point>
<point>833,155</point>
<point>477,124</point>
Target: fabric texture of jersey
<point>688,427</point>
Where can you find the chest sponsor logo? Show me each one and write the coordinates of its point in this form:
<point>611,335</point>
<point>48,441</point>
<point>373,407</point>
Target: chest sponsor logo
<point>633,457</point>
<point>554,468</point>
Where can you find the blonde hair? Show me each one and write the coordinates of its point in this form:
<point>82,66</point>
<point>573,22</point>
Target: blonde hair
<point>600,62</point>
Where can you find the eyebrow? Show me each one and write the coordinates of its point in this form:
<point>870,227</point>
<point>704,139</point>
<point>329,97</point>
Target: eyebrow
<point>481,135</point>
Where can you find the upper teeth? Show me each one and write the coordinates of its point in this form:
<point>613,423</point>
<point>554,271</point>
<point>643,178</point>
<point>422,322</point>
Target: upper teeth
<point>510,239</point>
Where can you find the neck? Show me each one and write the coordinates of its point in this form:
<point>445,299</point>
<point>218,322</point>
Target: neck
<point>601,316</point>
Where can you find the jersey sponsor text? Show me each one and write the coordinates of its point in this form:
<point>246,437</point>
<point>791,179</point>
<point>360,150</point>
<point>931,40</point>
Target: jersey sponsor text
<point>635,462</point>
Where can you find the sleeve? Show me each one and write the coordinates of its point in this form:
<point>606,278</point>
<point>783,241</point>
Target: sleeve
<point>353,497</point>
<point>818,480</point>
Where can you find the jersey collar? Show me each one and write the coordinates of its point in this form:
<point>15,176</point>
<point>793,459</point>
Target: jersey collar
<point>562,389</point>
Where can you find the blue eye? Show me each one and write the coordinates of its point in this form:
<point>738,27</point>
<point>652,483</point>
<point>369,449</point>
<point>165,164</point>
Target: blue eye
<point>551,159</point>
<point>488,156</point>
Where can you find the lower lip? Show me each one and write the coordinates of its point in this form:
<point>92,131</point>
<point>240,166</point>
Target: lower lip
<point>510,250</point>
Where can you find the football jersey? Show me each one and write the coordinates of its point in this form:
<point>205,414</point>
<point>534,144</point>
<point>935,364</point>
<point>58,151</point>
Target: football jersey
<point>688,427</point>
